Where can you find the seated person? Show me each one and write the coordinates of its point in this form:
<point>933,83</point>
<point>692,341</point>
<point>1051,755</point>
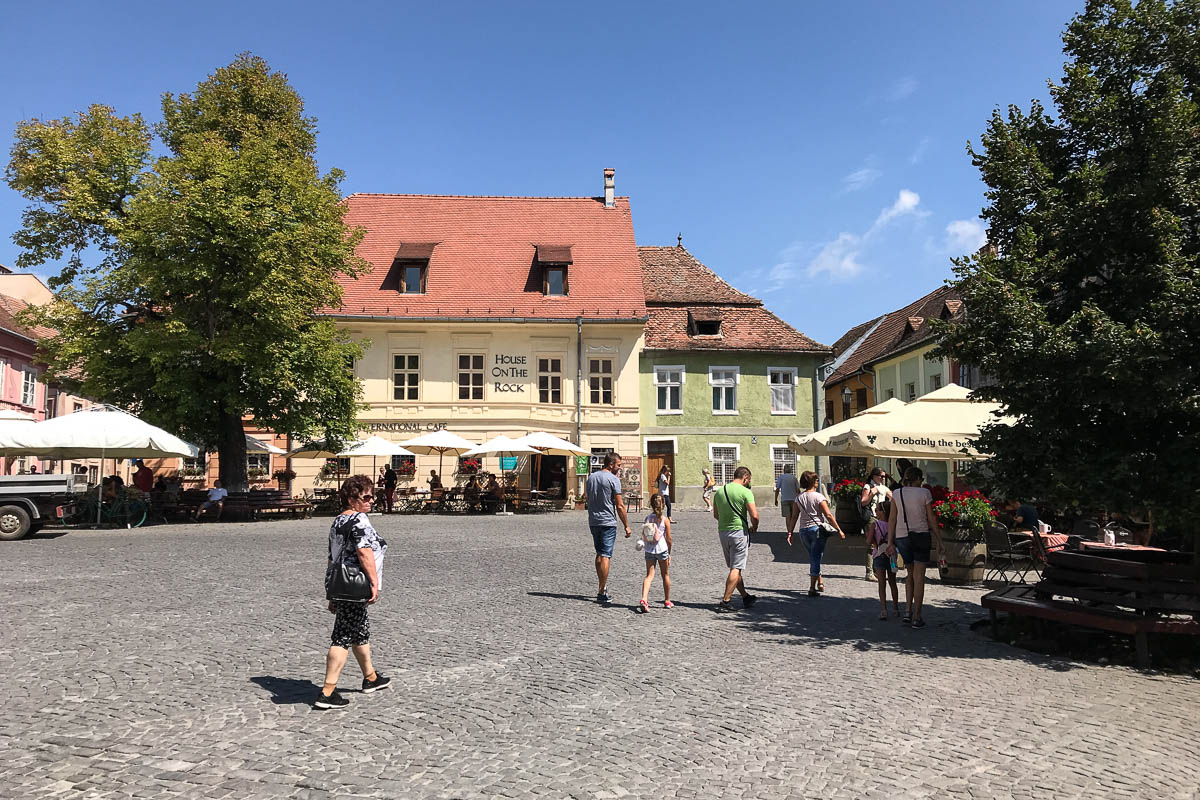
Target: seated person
<point>1024,516</point>
<point>493,494</point>
<point>110,488</point>
<point>216,498</point>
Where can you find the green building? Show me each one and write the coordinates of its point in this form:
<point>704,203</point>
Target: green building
<point>724,382</point>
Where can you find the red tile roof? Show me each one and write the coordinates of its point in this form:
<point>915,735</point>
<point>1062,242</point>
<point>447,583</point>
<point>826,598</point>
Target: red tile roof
<point>899,330</point>
<point>851,336</point>
<point>9,308</point>
<point>678,286</point>
<point>742,328</point>
<point>673,275</point>
<point>483,263</point>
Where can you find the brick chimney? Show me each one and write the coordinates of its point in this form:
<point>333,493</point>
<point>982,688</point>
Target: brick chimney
<point>609,200</point>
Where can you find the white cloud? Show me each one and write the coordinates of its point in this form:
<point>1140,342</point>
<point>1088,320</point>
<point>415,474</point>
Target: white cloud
<point>965,236</point>
<point>841,257</point>
<point>907,202</point>
<point>860,178</point>
<point>903,88</point>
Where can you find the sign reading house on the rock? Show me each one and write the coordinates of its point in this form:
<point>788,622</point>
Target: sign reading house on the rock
<point>509,369</point>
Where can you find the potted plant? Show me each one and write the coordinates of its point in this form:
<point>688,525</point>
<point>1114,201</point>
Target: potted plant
<point>847,494</point>
<point>284,478</point>
<point>469,466</point>
<point>407,469</point>
<point>962,517</point>
<point>256,475</point>
<point>191,474</point>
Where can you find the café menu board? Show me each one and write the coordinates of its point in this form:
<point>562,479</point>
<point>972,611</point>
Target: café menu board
<point>630,472</point>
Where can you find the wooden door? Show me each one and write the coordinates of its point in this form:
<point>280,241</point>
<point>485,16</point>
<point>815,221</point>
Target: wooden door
<point>654,464</point>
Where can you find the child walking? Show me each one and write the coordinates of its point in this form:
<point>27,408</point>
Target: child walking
<point>656,534</point>
<point>882,563</point>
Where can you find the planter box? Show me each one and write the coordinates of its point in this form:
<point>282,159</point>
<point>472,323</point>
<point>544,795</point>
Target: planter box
<point>966,559</point>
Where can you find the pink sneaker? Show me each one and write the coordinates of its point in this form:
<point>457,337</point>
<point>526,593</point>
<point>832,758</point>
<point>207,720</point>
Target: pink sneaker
<point>668,604</point>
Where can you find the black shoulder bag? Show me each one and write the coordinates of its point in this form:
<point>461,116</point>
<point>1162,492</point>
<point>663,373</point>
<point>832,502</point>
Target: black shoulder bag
<point>345,580</point>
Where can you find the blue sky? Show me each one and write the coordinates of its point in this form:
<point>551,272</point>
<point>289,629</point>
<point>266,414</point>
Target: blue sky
<point>811,153</point>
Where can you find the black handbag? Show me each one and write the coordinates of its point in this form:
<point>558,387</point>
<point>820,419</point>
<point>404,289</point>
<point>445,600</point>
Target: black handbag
<point>345,581</point>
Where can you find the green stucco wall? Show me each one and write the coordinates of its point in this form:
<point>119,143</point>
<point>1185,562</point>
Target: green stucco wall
<point>753,430</point>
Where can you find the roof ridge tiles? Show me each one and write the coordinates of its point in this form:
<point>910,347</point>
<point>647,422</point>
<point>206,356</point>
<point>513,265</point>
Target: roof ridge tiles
<point>481,196</point>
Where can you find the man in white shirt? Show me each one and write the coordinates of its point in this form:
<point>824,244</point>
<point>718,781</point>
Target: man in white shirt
<point>787,488</point>
<point>216,497</point>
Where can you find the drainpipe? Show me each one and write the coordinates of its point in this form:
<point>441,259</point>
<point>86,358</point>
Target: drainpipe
<point>579,381</point>
<point>816,418</point>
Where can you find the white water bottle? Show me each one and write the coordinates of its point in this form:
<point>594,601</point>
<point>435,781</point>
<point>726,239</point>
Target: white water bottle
<point>1110,538</point>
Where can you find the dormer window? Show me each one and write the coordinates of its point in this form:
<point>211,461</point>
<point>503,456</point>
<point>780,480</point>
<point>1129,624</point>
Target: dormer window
<point>554,260</point>
<point>556,280</point>
<point>410,268</point>
<point>704,322</point>
<point>412,278</point>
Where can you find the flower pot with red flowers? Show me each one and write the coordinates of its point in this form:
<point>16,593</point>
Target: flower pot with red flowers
<point>469,466</point>
<point>962,517</point>
<point>848,511</point>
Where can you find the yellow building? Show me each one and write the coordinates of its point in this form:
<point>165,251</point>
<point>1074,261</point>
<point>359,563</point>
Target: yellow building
<point>497,315</point>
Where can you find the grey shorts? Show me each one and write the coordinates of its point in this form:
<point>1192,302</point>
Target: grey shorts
<point>786,508</point>
<point>736,546</point>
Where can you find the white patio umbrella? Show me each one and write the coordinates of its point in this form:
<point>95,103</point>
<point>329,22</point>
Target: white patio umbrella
<point>440,442</point>
<point>814,443</point>
<point>373,446</point>
<point>98,432</point>
<point>11,423</point>
<point>549,445</point>
<point>938,426</point>
<point>501,446</point>
<point>259,446</point>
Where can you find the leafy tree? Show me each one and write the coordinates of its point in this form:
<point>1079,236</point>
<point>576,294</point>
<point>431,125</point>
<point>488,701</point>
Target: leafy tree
<point>1086,309</point>
<point>192,277</point>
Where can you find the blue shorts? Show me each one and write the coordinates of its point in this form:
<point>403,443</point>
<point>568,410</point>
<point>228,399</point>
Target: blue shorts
<point>604,537</point>
<point>884,562</point>
<point>657,556</point>
<point>915,547</point>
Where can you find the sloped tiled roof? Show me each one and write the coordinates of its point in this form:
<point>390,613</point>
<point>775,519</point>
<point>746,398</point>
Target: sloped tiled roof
<point>678,286</point>
<point>742,328</point>
<point>483,263</point>
<point>673,275</point>
<point>890,335</point>
<point>9,308</point>
<point>851,336</point>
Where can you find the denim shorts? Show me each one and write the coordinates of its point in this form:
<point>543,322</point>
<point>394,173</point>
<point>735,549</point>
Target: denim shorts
<point>604,537</point>
<point>915,547</point>
<point>884,562</point>
<point>663,556</point>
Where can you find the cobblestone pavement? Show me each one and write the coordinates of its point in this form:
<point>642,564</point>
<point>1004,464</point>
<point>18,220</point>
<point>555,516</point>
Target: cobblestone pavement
<point>180,662</point>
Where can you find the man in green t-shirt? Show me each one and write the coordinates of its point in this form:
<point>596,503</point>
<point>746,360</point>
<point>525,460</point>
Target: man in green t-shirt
<point>737,518</point>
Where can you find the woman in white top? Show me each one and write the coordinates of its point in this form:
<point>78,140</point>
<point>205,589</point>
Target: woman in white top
<point>808,509</point>
<point>663,484</point>
<point>708,488</point>
<point>911,528</point>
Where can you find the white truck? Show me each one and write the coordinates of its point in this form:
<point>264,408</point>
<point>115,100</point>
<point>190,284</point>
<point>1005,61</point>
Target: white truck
<point>27,502</point>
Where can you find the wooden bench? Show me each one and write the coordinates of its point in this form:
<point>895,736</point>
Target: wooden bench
<point>1135,598</point>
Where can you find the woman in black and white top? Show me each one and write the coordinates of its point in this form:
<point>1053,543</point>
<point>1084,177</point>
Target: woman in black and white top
<point>352,537</point>
<point>911,528</point>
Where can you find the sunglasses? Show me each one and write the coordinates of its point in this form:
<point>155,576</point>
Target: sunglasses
<point>367,497</point>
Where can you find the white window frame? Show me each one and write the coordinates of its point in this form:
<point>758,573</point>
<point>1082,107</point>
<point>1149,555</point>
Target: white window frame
<point>29,382</point>
<point>890,394</point>
<point>910,389</point>
<point>737,458</point>
<point>550,375</point>
<point>668,368</point>
<point>795,373</point>
<point>935,382</point>
<point>599,377</point>
<point>406,371</point>
<point>737,380</point>
<point>261,460</point>
<point>777,463</point>
<point>459,371</point>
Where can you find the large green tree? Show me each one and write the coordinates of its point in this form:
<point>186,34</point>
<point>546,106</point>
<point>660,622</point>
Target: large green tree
<point>190,276</point>
<point>1086,310</point>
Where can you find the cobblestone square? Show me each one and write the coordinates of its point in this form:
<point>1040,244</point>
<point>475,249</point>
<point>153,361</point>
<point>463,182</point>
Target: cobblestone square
<point>181,662</point>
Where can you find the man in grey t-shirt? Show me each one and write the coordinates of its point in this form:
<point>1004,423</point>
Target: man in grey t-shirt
<point>605,505</point>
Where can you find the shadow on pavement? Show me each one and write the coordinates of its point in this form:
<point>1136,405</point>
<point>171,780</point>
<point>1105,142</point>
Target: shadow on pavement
<point>287,691</point>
